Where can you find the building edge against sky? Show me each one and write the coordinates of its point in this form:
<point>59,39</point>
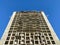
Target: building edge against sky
<point>3,38</point>
<point>51,29</point>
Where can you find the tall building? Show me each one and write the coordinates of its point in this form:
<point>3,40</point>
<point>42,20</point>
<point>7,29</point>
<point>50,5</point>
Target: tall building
<point>29,28</point>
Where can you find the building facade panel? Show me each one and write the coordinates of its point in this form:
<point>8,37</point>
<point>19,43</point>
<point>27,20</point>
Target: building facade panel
<point>29,28</point>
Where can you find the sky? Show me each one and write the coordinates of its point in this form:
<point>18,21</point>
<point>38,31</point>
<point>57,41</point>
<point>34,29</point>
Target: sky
<point>50,7</point>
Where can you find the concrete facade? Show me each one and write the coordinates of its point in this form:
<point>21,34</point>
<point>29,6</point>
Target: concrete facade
<point>29,28</point>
